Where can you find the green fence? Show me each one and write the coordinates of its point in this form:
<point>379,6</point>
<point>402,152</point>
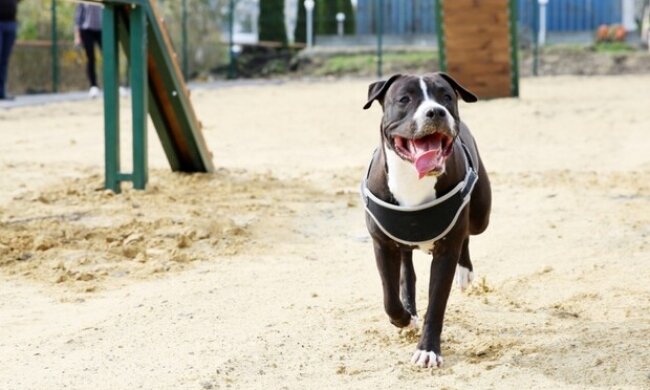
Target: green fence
<point>38,66</point>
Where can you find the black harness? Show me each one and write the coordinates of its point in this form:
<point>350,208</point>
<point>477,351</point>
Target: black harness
<point>426,223</point>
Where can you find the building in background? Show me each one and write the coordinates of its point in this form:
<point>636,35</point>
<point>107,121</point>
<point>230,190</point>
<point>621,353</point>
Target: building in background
<point>565,18</point>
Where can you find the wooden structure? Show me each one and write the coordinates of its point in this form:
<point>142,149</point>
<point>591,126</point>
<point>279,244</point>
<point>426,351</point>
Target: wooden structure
<point>157,89</point>
<point>478,45</point>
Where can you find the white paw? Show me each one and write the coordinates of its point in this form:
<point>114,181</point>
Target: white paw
<point>426,359</point>
<point>414,324</point>
<point>464,277</point>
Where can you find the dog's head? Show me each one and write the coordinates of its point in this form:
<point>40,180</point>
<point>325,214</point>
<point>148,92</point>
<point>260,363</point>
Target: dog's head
<point>421,118</point>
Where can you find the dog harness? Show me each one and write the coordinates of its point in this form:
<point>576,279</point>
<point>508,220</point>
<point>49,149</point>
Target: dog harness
<point>428,222</point>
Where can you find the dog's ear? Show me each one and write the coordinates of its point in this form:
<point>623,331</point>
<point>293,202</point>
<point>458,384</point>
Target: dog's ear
<point>463,92</point>
<point>377,90</point>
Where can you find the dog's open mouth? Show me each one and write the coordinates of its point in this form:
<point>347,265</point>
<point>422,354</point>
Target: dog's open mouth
<point>428,153</point>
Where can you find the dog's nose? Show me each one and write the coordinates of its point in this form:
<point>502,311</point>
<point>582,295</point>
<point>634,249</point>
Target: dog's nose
<point>436,112</point>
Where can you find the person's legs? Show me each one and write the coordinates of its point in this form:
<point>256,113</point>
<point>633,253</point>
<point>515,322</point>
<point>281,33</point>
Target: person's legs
<point>89,47</point>
<point>7,39</point>
<point>97,40</point>
<point>97,36</point>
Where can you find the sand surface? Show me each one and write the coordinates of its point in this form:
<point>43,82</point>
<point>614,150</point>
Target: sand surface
<point>262,275</point>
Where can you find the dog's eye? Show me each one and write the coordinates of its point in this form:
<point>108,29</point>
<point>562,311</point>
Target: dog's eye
<point>404,99</point>
<point>448,98</point>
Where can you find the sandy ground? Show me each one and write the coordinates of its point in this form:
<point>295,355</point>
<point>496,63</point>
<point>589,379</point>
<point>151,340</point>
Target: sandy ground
<point>262,275</point>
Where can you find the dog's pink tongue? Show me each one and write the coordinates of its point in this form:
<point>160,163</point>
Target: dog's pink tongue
<point>426,162</point>
<point>428,151</point>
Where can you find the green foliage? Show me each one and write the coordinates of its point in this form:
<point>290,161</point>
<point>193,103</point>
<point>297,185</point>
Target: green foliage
<point>301,23</point>
<point>325,16</point>
<point>205,48</point>
<point>35,20</point>
<point>613,47</point>
<point>271,21</point>
<point>349,26</point>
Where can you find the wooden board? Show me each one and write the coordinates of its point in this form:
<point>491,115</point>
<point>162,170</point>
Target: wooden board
<point>477,45</point>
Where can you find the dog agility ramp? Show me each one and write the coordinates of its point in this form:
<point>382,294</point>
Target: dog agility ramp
<point>158,89</point>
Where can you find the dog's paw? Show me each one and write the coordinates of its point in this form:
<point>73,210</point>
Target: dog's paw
<point>464,277</point>
<point>426,359</point>
<point>414,324</point>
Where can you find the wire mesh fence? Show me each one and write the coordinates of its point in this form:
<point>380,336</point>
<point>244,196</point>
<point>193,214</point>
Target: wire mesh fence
<point>45,58</point>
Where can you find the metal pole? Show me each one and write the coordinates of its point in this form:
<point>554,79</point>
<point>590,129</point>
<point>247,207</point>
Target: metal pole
<point>514,48</point>
<point>542,22</point>
<point>111,66</point>
<point>139,106</point>
<point>380,32</point>
<point>340,19</point>
<point>535,28</point>
<point>231,42</point>
<point>55,51</point>
<point>186,66</point>
<point>440,32</point>
<point>309,8</point>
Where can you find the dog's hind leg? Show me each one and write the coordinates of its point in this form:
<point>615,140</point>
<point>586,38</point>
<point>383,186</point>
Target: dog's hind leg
<point>407,285</point>
<point>464,270</point>
<point>388,263</point>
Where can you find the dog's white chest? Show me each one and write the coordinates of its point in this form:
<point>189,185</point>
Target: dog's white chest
<point>403,182</point>
<point>407,189</point>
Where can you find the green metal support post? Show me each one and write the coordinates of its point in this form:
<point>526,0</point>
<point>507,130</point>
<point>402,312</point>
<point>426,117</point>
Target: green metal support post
<point>231,39</point>
<point>186,66</point>
<point>111,98</point>
<point>514,48</point>
<point>380,35</point>
<point>55,50</point>
<point>440,32</point>
<point>535,29</point>
<point>138,49</point>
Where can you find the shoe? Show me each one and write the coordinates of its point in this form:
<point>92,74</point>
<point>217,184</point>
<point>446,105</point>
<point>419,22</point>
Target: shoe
<point>7,97</point>
<point>125,91</point>
<point>93,92</point>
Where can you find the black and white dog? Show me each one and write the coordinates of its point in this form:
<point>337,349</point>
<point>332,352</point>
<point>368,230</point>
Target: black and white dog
<point>426,188</point>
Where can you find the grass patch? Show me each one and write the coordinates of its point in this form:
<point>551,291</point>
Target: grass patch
<point>367,63</point>
<point>613,47</point>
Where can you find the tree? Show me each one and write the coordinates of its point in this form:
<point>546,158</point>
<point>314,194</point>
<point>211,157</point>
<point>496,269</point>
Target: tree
<point>349,26</point>
<point>325,18</point>
<point>271,21</point>
<point>301,23</point>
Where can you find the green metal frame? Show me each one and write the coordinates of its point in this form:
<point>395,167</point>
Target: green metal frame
<point>514,45</point>
<point>514,49</point>
<point>139,101</point>
<point>380,38</point>
<point>157,88</point>
<point>55,48</point>
<point>110,53</point>
<point>440,31</point>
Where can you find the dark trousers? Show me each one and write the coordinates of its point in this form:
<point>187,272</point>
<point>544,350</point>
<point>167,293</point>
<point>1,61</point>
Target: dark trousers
<point>90,38</point>
<point>7,39</point>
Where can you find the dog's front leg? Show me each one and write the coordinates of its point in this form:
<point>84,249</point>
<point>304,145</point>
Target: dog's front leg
<point>443,267</point>
<point>388,258</point>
